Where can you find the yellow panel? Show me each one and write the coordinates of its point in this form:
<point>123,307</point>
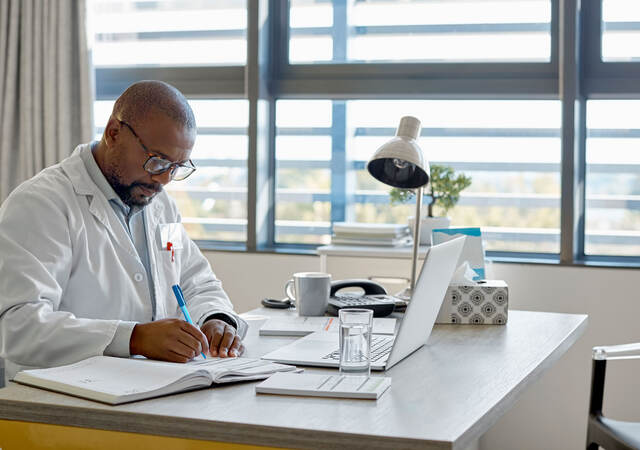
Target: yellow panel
<point>15,435</point>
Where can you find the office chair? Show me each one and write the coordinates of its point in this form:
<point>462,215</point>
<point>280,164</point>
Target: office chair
<point>601,431</point>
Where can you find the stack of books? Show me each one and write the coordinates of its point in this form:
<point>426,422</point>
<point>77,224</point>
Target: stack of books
<point>383,234</point>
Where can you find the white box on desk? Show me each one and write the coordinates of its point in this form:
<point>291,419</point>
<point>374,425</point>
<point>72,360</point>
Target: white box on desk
<point>484,303</point>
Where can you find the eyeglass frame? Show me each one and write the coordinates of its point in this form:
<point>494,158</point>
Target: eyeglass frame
<point>151,155</point>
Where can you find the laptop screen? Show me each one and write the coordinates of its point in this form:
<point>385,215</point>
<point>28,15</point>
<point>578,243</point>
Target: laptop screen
<point>426,300</point>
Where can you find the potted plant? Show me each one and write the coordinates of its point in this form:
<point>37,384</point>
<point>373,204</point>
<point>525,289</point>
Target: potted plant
<point>444,189</point>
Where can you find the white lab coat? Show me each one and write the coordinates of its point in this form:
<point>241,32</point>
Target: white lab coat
<point>69,272</point>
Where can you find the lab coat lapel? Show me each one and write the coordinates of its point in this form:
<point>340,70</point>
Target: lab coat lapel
<point>102,211</point>
<point>98,205</point>
<point>152,214</point>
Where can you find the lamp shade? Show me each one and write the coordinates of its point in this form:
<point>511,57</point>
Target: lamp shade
<point>399,162</point>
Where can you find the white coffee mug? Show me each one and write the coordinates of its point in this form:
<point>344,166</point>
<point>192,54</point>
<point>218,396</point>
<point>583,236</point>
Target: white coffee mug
<point>310,291</point>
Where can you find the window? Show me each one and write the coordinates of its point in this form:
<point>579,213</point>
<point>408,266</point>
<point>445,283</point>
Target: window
<point>620,30</point>
<point>213,201</point>
<point>173,41</point>
<point>613,178</point>
<point>303,171</point>
<point>510,148</point>
<point>169,32</point>
<point>293,97</point>
<point>420,30</point>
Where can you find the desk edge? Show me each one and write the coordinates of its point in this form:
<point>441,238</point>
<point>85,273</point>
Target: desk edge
<point>498,410</point>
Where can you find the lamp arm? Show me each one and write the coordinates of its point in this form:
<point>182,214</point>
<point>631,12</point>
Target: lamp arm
<point>416,239</point>
<point>622,351</point>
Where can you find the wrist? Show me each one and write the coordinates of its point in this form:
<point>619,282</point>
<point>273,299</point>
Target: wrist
<point>224,318</point>
<point>134,347</point>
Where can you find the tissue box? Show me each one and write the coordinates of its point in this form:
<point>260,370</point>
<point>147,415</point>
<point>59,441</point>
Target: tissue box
<point>483,303</point>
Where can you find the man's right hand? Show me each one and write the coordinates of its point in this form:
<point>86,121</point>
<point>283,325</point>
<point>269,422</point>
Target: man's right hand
<point>168,339</point>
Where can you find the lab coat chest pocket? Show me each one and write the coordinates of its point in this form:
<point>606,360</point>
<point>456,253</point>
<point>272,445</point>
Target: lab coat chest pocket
<point>169,267</point>
<point>169,251</point>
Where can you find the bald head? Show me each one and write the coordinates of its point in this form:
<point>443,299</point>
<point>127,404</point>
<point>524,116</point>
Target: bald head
<point>146,98</point>
<point>151,119</point>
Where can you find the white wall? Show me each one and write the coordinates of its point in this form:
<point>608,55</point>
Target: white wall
<point>248,278</point>
<point>552,413</point>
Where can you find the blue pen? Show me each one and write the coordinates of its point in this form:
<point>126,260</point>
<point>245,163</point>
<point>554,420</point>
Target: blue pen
<point>180,297</point>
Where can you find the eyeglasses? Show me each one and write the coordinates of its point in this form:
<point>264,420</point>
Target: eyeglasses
<point>156,165</point>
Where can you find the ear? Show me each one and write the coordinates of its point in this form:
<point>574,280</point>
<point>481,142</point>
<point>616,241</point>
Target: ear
<point>112,131</point>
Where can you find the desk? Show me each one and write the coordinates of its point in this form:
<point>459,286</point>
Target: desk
<point>444,396</point>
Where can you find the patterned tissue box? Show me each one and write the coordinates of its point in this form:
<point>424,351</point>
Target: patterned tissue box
<point>485,303</point>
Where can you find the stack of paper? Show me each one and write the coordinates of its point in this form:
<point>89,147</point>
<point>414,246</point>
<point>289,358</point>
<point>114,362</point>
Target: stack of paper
<point>325,385</point>
<point>384,234</point>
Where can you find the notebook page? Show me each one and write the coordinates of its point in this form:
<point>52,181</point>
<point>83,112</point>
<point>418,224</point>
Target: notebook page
<point>114,376</point>
<point>224,370</point>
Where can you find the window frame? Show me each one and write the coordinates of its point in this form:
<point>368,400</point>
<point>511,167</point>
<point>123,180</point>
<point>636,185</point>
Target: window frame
<point>599,80</point>
<point>574,74</point>
<point>409,80</point>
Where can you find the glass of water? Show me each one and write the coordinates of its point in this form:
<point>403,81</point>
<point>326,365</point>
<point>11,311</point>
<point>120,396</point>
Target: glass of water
<point>355,341</point>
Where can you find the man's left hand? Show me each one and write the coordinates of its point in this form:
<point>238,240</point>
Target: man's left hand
<point>222,337</point>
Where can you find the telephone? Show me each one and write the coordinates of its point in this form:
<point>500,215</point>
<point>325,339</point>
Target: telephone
<point>374,297</point>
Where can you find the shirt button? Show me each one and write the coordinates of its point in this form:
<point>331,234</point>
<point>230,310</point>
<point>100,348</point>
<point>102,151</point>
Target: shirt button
<point>138,277</point>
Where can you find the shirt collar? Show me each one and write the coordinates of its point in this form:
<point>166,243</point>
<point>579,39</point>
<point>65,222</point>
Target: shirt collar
<point>101,181</point>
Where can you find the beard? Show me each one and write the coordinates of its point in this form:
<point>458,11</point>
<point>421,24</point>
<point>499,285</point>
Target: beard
<point>127,194</point>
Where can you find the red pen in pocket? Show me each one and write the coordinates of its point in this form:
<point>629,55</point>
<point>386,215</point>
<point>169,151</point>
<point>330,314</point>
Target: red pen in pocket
<point>173,252</point>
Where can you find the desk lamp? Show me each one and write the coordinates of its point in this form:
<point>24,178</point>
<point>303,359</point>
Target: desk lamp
<point>399,163</point>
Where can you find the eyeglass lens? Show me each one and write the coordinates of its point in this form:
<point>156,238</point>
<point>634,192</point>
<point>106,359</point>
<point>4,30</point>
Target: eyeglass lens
<point>157,166</point>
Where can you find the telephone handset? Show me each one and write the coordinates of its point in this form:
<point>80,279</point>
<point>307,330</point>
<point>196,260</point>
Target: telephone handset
<point>374,297</point>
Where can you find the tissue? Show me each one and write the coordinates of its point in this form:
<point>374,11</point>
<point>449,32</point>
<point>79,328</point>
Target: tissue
<point>474,302</point>
<point>464,275</point>
<point>473,250</point>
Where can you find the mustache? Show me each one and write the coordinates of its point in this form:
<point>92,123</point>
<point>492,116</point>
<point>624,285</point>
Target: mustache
<point>157,187</point>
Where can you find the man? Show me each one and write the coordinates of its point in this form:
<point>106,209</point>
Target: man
<point>91,247</point>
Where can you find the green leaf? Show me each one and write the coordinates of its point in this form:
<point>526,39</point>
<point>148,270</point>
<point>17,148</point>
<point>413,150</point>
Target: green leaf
<point>444,187</point>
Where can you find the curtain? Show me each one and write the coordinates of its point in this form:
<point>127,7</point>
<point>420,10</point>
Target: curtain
<point>46,86</point>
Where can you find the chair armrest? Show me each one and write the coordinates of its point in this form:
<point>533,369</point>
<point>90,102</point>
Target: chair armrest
<point>623,351</point>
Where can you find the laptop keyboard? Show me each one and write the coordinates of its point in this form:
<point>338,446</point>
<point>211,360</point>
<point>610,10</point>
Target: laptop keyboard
<point>380,347</point>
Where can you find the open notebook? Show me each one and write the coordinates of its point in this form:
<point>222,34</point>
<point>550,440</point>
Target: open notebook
<point>120,380</point>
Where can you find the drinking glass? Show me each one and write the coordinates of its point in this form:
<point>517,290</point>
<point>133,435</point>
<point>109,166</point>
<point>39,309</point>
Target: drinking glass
<point>355,341</point>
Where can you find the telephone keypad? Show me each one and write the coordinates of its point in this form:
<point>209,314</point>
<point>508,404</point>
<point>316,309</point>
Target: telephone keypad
<point>382,305</point>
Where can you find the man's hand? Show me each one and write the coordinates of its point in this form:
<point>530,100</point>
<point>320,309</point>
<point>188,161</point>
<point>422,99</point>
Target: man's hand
<point>222,338</point>
<point>168,339</point>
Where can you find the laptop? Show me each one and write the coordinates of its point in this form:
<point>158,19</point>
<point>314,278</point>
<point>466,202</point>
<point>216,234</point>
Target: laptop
<point>321,348</point>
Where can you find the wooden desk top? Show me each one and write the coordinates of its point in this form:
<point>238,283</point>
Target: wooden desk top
<point>445,395</point>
